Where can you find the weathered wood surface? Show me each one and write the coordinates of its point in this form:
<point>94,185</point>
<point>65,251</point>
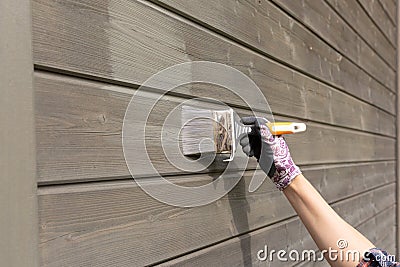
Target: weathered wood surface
<point>348,103</point>
<point>237,20</point>
<point>313,101</point>
<point>388,242</point>
<point>380,230</point>
<point>377,13</point>
<point>321,18</point>
<point>242,250</point>
<point>79,128</point>
<point>117,224</point>
<point>128,41</point>
<point>359,20</point>
<point>390,8</point>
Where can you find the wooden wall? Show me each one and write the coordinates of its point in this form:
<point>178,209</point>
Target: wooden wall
<point>331,64</point>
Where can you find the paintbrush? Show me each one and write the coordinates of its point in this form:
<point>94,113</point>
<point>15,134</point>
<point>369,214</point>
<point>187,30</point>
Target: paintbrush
<point>217,131</point>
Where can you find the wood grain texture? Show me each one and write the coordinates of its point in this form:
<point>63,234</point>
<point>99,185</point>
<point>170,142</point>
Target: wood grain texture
<point>79,127</point>
<point>322,19</point>
<point>359,20</point>
<point>387,241</point>
<point>390,8</point>
<point>288,235</point>
<point>238,21</point>
<point>233,249</point>
<point>117,224</point>
<point>128,41</point>
<point>379,229</point>
<point>377,13</point>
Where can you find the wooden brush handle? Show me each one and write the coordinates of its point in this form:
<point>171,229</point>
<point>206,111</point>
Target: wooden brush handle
<point>279,128</point>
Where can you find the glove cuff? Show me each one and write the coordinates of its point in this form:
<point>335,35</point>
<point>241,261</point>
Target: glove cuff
<point>284,176</point>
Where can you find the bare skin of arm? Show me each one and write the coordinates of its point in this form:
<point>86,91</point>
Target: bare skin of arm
<point>325,226</point>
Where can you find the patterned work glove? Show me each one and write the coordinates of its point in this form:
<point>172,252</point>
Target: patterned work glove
<point>271,151</point>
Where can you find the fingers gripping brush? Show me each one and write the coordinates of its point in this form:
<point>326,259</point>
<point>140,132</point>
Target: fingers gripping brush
<point>223,129</point>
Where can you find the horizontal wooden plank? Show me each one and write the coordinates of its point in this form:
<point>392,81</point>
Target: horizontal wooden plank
<point>313,101</point>
<point>288,235</point>
<point>378,229</point>
<point>322,19</point>
<point>238,21</point>
<point>381,234</point>
<point>129,41</point>
<point>390,8</point>
<point>377,13</point>
<point>127,226</point>
<point>79,128</point>
<point>359,20</point>
<point>242,251</point>
<point>388,242</point>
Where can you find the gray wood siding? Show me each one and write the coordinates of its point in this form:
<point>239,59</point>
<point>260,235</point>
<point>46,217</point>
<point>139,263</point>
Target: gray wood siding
<point>331,64</point>
<point>80,138</point>
<point>126,222</point>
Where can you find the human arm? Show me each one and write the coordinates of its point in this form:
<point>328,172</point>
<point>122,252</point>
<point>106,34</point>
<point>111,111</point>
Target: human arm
<point>325,226</point>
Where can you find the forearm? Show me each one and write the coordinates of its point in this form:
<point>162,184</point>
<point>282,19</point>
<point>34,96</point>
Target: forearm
<point>322,222</point>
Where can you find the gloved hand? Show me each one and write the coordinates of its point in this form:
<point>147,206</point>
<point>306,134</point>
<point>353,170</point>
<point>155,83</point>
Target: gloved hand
<point>271,151</point>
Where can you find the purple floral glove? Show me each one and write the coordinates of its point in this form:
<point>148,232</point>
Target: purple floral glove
<point>271,151</point>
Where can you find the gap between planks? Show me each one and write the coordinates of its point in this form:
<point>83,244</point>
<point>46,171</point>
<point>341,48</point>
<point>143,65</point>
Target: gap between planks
<point>122,181</point>
<point>260,229</point>
<point>277,60</point>
<point>259,51</point>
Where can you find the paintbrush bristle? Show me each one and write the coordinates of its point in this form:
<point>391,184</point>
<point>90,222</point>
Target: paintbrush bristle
<point>206,131</point>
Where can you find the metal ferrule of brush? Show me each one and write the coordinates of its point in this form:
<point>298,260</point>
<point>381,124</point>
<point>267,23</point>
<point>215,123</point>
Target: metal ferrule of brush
<point>223,129</point>
<point>237,131</point>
